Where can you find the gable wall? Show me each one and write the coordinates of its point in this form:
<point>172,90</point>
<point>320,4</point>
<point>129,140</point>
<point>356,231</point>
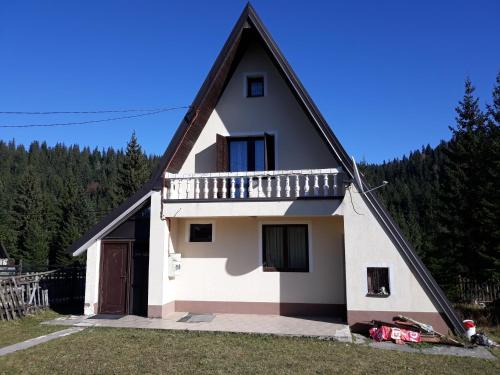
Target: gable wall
<point>298,144</point>
<point>367,245</point>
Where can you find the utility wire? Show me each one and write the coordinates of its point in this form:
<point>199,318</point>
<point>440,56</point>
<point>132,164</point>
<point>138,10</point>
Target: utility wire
<point>95,121</point>
<point>79,112</point>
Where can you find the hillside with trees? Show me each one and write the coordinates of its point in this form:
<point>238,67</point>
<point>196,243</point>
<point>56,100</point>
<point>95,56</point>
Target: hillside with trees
<point>49,196</point>
<point>446,199</point>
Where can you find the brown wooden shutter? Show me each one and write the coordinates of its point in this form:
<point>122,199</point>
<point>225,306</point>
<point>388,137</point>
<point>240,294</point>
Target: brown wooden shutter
<point>222,154</point>
<point>269,141</point>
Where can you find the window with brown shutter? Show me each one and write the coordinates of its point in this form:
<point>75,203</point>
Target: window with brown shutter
<point>243,154</point>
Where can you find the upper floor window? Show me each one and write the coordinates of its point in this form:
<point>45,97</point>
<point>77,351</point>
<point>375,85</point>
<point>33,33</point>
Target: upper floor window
<point>242,154</point>
<point>255,86</point>
<point>246,154</point>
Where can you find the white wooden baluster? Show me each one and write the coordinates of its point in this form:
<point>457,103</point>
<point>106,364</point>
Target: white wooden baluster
<point>335,184</point>
<point>175,189</point>
<point>216,189</point>
<point>259,187</point>
<point>278,186</point>
<point>297,185</point>
<point>287,186</point>
<point>197,189</point>
<point>269,187</point>
<point>242,187</point>
<point>179,188</point>
<point>205,189</point>
<point>306,186</point>
<point>224,188</point>
<point>325,185</point>
<point>188,186</point>
<point>170,187</point>
<point>164,190</point>
<point>316,185</point>
<point>233,187</point>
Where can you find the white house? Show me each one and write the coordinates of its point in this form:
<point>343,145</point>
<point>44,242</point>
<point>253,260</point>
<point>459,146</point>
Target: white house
<point>255,209</point>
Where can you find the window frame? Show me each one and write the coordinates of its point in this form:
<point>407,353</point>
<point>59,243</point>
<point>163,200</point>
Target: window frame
<point>200,222</point>
<point>246,86</point>
<point>250,150</point>
<point>389,281</point>
<point>262,252</point>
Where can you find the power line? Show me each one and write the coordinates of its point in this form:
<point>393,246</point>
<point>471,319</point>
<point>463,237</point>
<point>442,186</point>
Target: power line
<point>79,112</point>
<point>95,121</point>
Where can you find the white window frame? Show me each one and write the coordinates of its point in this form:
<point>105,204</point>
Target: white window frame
<point>390,267</point>
<point>262,134</point>
<point>254,75</point>
<point>309,244</point>
<point>188,231</point>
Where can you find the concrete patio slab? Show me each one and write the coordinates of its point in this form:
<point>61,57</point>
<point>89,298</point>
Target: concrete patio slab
<point>325,328</point>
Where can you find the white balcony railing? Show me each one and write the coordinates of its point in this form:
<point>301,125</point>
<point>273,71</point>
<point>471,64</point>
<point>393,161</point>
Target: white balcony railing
<point>270,185</point>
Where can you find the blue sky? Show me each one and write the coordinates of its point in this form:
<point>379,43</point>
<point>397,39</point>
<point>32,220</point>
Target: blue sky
<point>385,74</point>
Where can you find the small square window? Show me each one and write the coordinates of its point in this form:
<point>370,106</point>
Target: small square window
<point>378,281</point>
<point>200,233</point>
<point>255,87</point>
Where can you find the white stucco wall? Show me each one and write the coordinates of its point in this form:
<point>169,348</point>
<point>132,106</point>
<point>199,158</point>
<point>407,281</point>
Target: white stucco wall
<point>229,269</point>
<point>161,290</point>
<point>367,245</point>
<point>298,145</point>
<point>260,208</point>
<point>92,278</point>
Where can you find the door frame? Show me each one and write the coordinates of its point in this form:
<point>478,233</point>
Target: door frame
<point>127,285</point>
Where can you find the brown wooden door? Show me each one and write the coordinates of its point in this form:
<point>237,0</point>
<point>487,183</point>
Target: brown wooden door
<point>114,278</point>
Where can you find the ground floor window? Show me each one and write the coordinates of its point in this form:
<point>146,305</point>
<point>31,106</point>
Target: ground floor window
<point>285,247</point>
<point>378,281</point>
<point>200,232</point>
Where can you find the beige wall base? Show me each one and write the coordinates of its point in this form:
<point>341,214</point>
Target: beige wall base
<point>158,311</point>
<point>436,320</point>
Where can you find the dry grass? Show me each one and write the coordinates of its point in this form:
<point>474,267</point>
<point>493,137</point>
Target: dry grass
<point>13,331</point>
<point>110,350</point>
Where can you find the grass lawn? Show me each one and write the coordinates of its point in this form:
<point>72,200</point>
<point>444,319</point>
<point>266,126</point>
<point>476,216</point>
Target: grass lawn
<point>110,350</point>
<point>13,331</point>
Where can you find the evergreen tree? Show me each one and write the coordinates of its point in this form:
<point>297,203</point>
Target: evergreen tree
<point>31,237</point>
<point>133,171</point>
<point>459,237</point>
<point>77,215</point>
<point>490,203</point>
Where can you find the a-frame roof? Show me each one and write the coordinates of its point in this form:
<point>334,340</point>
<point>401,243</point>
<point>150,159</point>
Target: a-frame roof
<point>247,27</point>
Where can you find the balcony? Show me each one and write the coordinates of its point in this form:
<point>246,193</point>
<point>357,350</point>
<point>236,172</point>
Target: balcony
<point>254,186</point>
<point>305,192</point>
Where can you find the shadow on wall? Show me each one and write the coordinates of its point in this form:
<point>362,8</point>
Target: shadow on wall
<point>235,242</point>
<point>205,160</point>
<point>319,292</point>
<point>308,207</point>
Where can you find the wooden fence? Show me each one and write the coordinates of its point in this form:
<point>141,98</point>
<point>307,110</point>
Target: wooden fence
<point>21,295</point>
<point>62,290</point>
<point>471,291</point>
